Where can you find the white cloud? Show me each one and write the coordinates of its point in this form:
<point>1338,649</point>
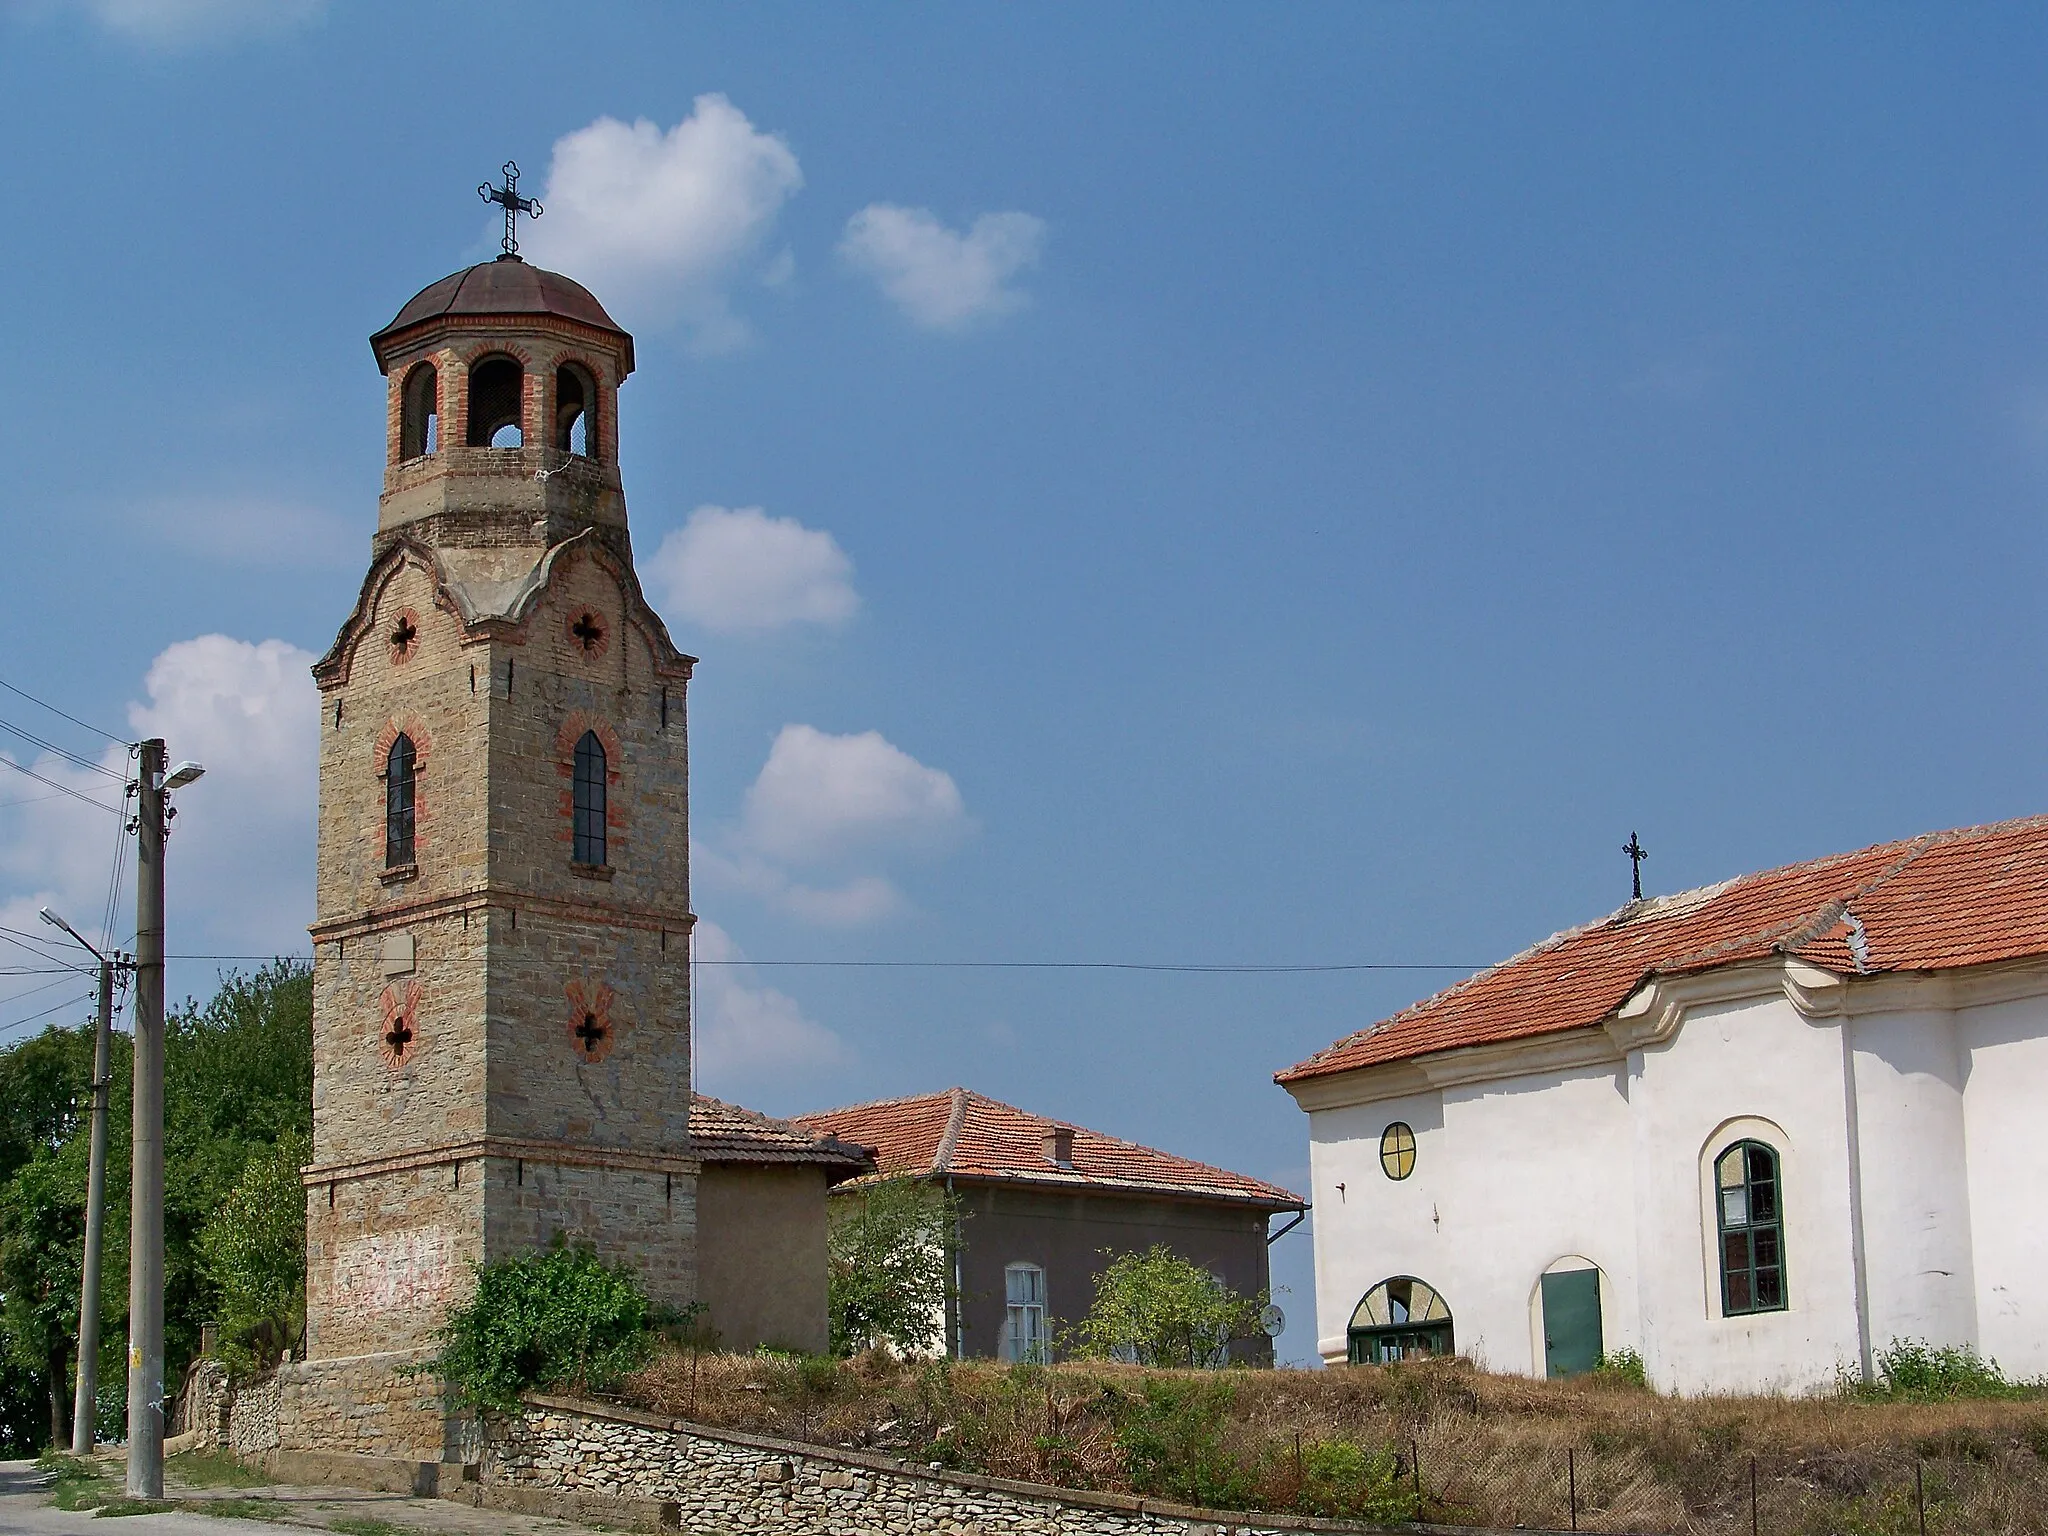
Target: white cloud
<point>239,869</point>
<point>939,278</point>
<point>180,22</point>
<point>821,798</point>
<point>738,571</point>
<point>823,821</point>
<point>658,223</point>
<point>748,1033</point>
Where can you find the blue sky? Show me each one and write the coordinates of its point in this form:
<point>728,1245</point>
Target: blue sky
<point>1284,485</point>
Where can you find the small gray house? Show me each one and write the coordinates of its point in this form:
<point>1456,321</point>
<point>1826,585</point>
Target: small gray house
<point>1041,1202</point>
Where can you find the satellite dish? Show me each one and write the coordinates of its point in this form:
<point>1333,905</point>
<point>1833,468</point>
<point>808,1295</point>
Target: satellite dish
<point>1273,1320</point>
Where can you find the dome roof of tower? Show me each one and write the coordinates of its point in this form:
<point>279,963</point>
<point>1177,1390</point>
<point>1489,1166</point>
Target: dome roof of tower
<point>505,287</point>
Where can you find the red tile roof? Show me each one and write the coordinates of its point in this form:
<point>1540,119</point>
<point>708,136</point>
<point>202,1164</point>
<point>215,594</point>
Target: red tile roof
<point>725,1133</point>
<point>1934,902</point>
<point>976,1139</point>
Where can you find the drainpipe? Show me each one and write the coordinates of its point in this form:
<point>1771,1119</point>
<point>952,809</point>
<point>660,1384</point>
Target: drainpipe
<point>1858,1263</point>
<point>959,1320</point>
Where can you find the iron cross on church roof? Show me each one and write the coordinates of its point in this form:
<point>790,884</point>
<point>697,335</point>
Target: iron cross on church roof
<point>1636,854</point>
<point>514,204</point>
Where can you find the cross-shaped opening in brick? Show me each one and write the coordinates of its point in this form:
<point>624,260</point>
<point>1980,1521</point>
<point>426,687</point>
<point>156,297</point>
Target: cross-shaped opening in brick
<point>406,633</point>
<point>398,1036</point>
<point>588,630</point>
<point>590,1032</point>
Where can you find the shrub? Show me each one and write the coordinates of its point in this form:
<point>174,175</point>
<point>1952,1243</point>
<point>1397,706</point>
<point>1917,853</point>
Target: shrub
<point>1917,1371</point>
<point>890,1266</point>
<point>560,1318</point>
<point>1624,1367</point>
<point>1347,1481</point>
<point>1173,1442</point>
<point>1155,1308</point>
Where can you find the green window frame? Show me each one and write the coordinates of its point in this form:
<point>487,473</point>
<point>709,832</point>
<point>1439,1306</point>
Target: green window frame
<point>1749,1209</point>
<point>1401,1318</point>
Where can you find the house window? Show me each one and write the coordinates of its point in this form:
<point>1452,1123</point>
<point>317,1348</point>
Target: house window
<point>1397,1150</point>
<point>398,804</point>
<point>1751,1213</point>
<point>1024,1335</point>
<point>589,800</point>
<point>1402,1318</point>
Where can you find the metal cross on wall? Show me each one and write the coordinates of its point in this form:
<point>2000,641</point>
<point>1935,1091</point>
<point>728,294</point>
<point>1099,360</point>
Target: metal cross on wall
<point>590,1032</point>
<point>514,204</point>
<point>1636,854</point>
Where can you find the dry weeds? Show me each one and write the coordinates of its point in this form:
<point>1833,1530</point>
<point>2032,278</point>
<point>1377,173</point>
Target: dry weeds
<point>1482,1450</point>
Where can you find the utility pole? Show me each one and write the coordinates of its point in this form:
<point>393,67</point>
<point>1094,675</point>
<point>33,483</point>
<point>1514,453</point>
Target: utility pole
<point>146,1223</point>
<point>85,1410</point>
<point>85,1407</point>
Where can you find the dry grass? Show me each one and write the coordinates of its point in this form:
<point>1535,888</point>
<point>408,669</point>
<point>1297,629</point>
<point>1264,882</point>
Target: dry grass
<point>1491,1450</point>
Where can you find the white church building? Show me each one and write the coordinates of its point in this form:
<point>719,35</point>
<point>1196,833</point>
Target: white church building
<point>1754,1132</point>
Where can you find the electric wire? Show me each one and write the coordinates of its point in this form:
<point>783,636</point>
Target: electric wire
<point>62,789</point>
<point>15,997</point>
<point>985,965</point>
<point>40,947</point>
<point>83,997</point>
<point>22,693</point>
<point>64,752</point>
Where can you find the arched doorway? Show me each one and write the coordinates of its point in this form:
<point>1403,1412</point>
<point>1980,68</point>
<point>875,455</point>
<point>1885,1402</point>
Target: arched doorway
<point>1568,1302</point>
<point>1401,1318</point>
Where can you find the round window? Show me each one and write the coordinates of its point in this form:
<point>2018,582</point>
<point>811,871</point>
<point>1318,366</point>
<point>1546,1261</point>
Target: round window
<point>1397,1150</point>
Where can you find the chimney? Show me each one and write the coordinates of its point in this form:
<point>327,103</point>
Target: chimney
<point>1059,1146</point>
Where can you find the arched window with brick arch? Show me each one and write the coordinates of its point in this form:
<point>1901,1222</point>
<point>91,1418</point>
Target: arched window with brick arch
<point>575,410</point>
<point>400,766</point>
<point>588,800</point>
<point>419,427</point>
<point>497,390</point>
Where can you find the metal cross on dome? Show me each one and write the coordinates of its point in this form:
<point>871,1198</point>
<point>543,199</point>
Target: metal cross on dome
<point>513,203</point>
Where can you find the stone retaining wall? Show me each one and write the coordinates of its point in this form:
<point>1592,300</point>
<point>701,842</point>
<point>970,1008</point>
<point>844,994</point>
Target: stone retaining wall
<point>681,1476</point>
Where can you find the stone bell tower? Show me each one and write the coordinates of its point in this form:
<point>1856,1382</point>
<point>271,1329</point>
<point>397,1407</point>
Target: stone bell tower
<point>500,1025</point>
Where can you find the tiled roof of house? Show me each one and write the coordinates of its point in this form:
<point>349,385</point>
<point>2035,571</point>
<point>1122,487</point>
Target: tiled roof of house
<point>977,1139</point>
<point>725,1133</point>
<point>1935,902</point>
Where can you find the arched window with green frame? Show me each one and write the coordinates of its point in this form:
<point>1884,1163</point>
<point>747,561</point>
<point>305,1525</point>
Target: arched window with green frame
<point>1401,1318</point>
<point>1749,1209</point>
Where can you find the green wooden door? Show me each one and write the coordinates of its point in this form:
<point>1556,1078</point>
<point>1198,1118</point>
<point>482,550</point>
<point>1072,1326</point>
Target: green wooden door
<point>1571,1322</point>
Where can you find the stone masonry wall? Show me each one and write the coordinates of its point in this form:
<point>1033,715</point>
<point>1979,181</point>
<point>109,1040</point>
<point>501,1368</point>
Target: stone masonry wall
<point>725,1483</point>
<point>371,1405</point>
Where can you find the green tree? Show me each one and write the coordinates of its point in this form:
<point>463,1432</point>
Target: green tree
<point>561,1318</point>
<point>238,1078</point>
<point>1156,1308</point>
<point>890,1252</point>
<point>45,1088</point>
<point>255,1252</point>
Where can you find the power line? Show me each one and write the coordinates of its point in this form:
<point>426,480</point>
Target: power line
<point>38,946</point>
<point>62,789</point>
<point>64,752</point>
<point>119,741</point>
<point>988,965</point>
<point>83,997</point>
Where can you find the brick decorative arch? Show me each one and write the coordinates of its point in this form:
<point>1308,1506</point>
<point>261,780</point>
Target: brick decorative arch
<point>593,1026</point>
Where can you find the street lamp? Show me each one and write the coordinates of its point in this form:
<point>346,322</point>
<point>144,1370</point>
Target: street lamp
<point>85,1406</point>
